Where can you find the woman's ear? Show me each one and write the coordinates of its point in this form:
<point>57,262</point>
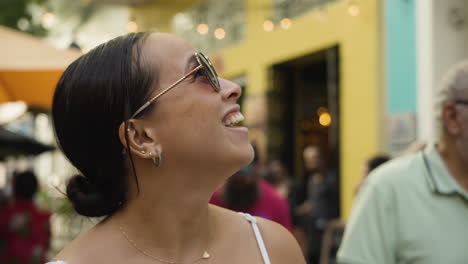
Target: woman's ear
<point>122,136</point>
<point>140,139</point>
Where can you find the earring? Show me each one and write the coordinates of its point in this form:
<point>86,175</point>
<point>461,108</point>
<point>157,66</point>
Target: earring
<point>157,160</point>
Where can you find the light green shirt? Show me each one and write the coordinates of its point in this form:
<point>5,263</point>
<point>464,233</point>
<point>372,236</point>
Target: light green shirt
<point>410,210</point>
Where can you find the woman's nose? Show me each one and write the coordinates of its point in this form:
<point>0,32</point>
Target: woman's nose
<point>230,91</point>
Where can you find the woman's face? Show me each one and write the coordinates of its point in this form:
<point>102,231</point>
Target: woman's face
<point>190,120</point>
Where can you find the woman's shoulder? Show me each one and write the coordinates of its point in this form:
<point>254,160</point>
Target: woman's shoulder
<point>94,242</point>
<point>280,243</point>
<point>281,246</point>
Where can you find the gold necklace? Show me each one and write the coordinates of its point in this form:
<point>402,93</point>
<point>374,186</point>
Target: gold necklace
<point>205,255</point>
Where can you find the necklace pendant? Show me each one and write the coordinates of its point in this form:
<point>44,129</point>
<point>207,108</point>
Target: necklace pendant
<point>206,255</point>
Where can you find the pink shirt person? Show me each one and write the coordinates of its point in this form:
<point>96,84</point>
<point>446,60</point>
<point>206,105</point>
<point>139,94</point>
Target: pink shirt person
<point>269,204</point>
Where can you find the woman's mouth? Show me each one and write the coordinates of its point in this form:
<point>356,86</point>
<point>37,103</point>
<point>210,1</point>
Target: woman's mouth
<point>233,119</point>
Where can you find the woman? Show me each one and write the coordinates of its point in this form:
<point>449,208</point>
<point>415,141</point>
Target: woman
<point>152,130</point>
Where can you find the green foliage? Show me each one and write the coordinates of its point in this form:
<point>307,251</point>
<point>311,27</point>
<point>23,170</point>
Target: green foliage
<point>13,10</point>
<point>58,205</point>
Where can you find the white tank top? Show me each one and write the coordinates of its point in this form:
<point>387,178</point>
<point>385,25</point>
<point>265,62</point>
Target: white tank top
<point>258,237</point>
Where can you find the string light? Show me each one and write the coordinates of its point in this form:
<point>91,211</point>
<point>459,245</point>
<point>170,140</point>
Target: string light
<point>353,10</point>
<point>219,33</point>
<point>286,23</point>
<point>203,29</point>
<point>268,25</point>
<point>48,20</point>
<point>132,26</point>
<point>325,119</point>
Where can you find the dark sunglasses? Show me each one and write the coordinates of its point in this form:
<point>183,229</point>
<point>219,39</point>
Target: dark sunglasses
<point>204,66</point>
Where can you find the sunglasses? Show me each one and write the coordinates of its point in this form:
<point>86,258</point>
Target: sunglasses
<point>206,69</point>
<point>462,102</point>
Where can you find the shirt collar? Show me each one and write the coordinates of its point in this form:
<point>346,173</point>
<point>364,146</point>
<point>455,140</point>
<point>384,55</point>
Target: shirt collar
<point>440,179</point>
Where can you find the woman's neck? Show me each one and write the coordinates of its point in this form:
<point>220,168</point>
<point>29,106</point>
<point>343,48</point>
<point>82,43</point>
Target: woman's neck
<point>169,217</point>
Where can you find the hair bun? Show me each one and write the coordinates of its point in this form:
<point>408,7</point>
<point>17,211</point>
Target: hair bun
<point>87,199</point>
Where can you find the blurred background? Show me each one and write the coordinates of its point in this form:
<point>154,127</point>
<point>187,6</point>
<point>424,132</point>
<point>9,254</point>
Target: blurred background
<point>353,78</point>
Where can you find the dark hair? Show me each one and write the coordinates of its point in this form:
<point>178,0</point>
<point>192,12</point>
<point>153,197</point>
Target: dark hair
<point>95,94</point>
<point>24,185</point>
<point>376,161</point>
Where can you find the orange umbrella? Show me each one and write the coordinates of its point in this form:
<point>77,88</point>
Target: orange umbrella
<point>30,68</point>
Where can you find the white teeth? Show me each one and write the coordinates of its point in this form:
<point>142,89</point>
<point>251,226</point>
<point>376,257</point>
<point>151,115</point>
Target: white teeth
<point>234,119</point>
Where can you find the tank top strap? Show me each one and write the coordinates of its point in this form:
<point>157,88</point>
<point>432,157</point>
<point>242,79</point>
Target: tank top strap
<point>258,237</point>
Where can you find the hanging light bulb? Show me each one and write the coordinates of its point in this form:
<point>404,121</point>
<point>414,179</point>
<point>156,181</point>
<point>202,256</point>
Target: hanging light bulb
<point>268,25</point>
<point>286,23</point>
<point>203,29</point>
<point>48,20</point>
<point>353,9</point>
<point>220,33</point>
<point>132,26</point>
<point>325,119</point>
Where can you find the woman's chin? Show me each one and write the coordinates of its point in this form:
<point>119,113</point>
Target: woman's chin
<point>248,154</point>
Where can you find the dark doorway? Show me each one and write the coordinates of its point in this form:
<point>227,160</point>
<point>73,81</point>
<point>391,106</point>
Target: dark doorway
<point>303,109</point>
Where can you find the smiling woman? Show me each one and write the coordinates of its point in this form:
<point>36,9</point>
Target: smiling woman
<point>153,131</point>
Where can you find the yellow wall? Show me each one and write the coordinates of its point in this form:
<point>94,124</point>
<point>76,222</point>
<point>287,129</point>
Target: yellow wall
<point>358,39</point>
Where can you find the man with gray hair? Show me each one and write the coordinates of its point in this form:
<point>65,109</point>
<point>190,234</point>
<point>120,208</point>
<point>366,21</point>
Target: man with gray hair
<point>414,209</point>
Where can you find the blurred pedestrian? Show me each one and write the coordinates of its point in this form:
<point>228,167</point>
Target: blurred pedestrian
<point>154,131</point>
<point>24,229</point>
<point>246,191</point>
<point>278,176</point>
<point>318,200</point>
<point>414,209</point>
<point>4,199</point>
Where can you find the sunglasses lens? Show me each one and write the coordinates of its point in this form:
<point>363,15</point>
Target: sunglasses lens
<point>209,70</point>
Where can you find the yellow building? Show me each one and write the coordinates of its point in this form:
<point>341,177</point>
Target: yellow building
<point>351,29</point>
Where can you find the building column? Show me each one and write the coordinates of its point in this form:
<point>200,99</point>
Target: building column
<point>442,41</point>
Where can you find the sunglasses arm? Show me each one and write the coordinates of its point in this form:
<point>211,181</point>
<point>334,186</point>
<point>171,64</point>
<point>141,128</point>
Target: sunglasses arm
<point>143,107</point>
